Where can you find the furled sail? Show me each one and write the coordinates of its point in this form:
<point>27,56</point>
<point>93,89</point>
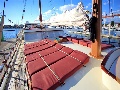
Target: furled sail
<point>76,16</point>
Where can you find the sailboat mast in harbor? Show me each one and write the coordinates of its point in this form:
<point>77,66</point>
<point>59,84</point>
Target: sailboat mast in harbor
<point>97,13</point>
<point>40,16</point>
<point>2,23</point>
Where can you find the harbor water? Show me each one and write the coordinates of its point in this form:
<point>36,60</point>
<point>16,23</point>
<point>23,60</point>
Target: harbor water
<point>10,33</point>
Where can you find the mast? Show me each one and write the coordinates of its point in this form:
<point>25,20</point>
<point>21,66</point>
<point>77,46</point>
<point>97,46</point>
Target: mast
<point>97,12</point>
<point>40,16</point>
<point>1,27</point>
<point>2,23</point>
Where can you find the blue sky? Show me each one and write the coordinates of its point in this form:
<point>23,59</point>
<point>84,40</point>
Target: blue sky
<point>14,8</point>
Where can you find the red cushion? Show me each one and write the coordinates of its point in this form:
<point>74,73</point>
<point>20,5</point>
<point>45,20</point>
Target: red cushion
<point>39,64</point>
<point>105,46</point>
<point>79,55</point>
<point>81,41</point>
<point>27,46</point>
<point>67,50</point>
<point>75,40</point>
<point>35,44</point>
<point>44,80</point>
<point>35,66</point>
<point>48,51</point>
<point>51,58</point>
<point>85,43</point>
<point>59,46</point>
<point>65,66</point>
<point>32,57</point>
<point>35,49</point>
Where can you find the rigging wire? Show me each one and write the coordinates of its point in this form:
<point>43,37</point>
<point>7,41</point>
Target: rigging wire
<point>4,8</point>
<point>23,10</point>
<point>3,11</point>
<point>32,8</point>
<point>50,1</point>
<point>64,2</point>
<point>33,2</point>
<point>109,7</point>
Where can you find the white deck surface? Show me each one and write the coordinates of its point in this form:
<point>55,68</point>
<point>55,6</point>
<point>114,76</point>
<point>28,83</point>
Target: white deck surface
<point>87,78</point>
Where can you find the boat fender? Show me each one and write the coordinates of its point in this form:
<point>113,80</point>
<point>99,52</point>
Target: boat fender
<point>92,28</point>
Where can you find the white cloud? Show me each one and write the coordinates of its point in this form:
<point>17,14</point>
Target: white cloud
<point>37,19</point>
<point>89,5</point>
<point>105,3</point>
<point>48,12</point>
<point>67,7</point>
<point>46,15</point>
<point>86,7</point>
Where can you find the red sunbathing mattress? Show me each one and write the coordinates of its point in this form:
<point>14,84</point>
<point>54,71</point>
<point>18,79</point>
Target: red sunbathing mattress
<point>59,46</point>
<point>62,60</point>
<point>54,57</point>
<point>74,40</point>
<point>48,51</point>
<point>35,66</point>
<point>79,56</point>
<point>81,42</point>
<point>32,57</point>
<point>49,59</point>
<point>32,50</point>
<point>67,50</point>
<point>86,42</point>
<point>65,66</point>
<point>35,44</point>
<point>103,46</point>
<point>63,69</point>
<point>44,80</point>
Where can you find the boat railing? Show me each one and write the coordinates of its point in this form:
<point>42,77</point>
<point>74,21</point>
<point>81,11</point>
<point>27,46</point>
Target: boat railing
<point>9,59</point>
<point>110,37</point>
